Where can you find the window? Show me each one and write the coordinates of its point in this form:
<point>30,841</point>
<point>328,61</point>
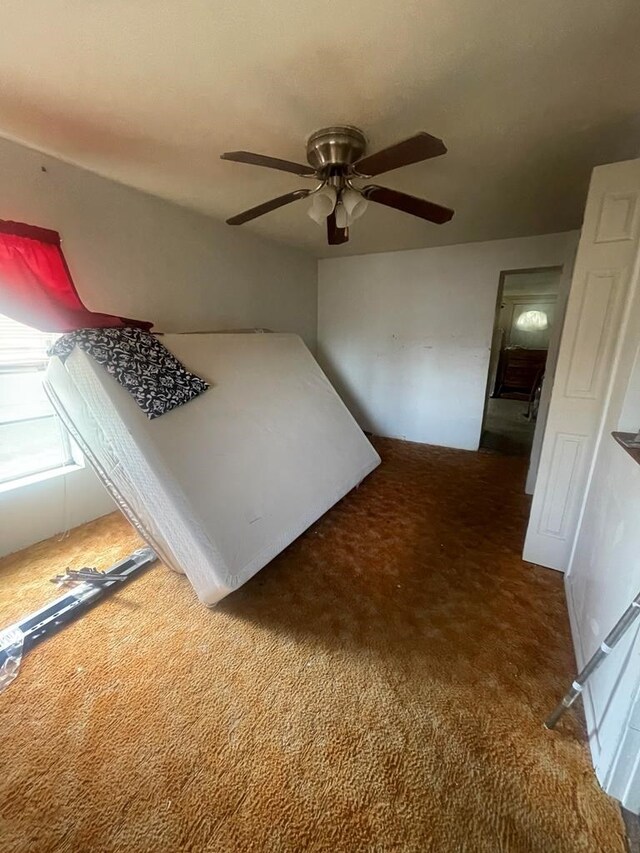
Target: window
<point>32,439</point>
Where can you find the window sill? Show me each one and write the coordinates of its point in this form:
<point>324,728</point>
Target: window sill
<point>29,480</point>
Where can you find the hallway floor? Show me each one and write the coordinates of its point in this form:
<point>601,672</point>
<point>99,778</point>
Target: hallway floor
<point>380,686</point>
<point>506,429</point>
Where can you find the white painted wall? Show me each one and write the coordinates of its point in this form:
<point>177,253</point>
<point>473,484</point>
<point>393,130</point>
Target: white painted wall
<point>603,580</point>
<point>630,416</point>
<point>138,256</point>
<point>42,509</point>
<point>406,336</point>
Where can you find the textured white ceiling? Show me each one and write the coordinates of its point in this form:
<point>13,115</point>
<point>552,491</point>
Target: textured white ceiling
<point>528,96</point>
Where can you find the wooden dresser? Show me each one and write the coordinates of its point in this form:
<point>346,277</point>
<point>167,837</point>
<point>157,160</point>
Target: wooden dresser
<point>519,370</point>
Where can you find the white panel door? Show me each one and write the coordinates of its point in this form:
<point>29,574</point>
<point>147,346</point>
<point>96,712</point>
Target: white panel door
<point>597,299</point>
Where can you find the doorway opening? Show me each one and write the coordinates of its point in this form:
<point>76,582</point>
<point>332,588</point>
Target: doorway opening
<point>527,327</point>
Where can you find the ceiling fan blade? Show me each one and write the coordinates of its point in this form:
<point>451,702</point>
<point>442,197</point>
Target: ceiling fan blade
<point>420,147</point>
<point>269,162</point>
<point>408,204</point>
<point>336,236</point>
<point>266,207</point>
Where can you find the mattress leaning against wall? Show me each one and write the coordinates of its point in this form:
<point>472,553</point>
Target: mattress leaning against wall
<point>220,485</point>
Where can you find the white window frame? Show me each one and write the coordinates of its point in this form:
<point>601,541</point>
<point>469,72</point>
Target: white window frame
<point>72,460</point>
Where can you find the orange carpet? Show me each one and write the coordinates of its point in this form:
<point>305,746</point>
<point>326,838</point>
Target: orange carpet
<point>380,686</point>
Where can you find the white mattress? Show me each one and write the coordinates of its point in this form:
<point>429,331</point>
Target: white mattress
<point>220,485</point>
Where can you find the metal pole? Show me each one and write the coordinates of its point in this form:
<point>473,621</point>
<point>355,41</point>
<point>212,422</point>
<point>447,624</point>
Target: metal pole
<point>606,647</point>
<point>22,636</point>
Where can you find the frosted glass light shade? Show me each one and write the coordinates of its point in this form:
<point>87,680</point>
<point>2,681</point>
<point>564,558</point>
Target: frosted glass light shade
<point>342,217</point>
<point>354,203</point>
<point>322,204</point>
<point>532,321</point>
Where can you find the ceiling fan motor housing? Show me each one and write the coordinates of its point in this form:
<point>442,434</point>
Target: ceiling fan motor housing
<point>338,146</point>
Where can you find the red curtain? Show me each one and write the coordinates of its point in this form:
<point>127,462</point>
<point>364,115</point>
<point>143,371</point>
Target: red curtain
<point>36,287</point>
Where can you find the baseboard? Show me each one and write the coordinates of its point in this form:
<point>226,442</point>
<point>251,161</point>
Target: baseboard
<point>587,697</point>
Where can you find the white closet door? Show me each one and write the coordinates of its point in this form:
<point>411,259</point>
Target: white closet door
<point>599,288</point>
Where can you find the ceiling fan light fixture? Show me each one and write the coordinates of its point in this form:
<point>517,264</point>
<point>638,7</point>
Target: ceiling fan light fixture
<point>354,203</point>
<point>533,321</point>
<point>323,204</point>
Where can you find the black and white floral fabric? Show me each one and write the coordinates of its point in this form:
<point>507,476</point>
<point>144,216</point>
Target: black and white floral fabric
<point>154,377</point>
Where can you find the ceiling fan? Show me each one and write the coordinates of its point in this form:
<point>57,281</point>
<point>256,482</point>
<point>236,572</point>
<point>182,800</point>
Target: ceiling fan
<point>337,157</point>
